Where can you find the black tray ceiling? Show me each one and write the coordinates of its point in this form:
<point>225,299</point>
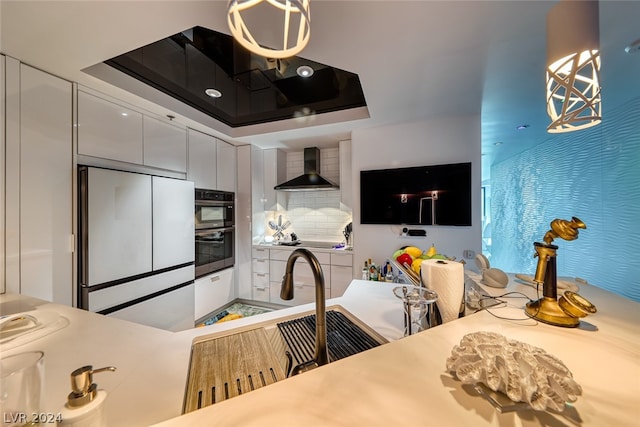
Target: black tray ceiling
<point>254,89</point>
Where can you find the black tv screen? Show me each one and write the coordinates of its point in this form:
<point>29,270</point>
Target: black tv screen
<point>423,195</point>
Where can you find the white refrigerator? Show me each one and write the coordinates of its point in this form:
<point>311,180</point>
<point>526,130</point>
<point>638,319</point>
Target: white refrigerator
<point>136,247</point>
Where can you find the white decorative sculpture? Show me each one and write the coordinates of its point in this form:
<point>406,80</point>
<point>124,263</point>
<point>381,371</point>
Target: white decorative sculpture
<point>521,371</point>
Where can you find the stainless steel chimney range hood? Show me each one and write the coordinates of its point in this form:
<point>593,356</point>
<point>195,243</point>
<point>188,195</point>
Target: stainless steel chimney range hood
<point>310,179</point>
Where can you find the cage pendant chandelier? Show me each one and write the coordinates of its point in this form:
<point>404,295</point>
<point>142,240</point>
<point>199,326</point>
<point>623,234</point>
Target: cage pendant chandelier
<point>293,14</point>
<point>573,66</point>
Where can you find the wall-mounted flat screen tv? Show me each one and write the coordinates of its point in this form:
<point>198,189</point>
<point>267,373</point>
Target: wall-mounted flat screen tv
<point>423,195</point>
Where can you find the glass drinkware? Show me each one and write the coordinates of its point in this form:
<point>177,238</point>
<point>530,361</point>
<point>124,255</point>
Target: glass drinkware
<point>21,385</point>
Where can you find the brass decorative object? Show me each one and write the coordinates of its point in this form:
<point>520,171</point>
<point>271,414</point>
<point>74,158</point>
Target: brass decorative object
<point>547,309</point>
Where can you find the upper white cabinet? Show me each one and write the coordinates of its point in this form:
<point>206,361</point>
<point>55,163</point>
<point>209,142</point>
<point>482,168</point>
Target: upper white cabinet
<point>202,160</point>
<point>212,162</point>
<point>109,130</point>
<point>165,145</point>
<point>226,166</point>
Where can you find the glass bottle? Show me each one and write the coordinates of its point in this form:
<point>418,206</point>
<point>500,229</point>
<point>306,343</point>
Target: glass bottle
<point>365,271</point>
<point>373,270</point>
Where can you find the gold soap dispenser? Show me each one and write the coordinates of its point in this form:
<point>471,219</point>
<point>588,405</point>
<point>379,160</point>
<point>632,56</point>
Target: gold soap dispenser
<point>85,403</point>
<point>547,309</point>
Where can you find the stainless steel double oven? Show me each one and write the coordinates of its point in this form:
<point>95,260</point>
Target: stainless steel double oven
<point>215,230</point>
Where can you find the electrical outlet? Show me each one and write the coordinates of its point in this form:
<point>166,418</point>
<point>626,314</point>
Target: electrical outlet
<point>468,254</point>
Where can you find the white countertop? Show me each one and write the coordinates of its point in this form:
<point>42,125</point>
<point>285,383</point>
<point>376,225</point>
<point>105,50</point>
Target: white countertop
<point>401,382</point>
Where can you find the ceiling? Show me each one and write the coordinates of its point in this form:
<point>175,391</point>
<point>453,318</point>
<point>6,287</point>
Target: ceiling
<point>247,88</point>
<point>415,59</point>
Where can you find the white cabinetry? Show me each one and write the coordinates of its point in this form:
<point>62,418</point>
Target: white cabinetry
<point>269,265</point>
<point>108,130</point>
<point>303,279</point>
<point>2,175</point>
<point>39,172</point>
<point>260,268</point>
<point>226,166</point>
<point>213,292</point>
<point>257,194</point>
<point>165,145</point>
<point>341,272</point>
<point>212,162</point>
<point>244,245</point>
<point>202,160</point>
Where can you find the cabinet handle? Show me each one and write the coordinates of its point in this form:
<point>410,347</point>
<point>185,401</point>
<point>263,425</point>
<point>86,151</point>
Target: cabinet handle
<point>215,278</point>
<point>261,260</point>
<point>261,274</point>
<point>260,288</point>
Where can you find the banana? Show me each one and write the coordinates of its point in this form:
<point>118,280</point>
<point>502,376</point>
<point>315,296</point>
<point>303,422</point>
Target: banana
<point>432,251</point>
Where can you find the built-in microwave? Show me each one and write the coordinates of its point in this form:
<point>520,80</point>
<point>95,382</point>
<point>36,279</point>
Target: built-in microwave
<point>214,209</point>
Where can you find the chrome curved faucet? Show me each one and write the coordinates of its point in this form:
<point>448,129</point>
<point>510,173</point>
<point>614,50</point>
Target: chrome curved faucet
<point>321,356</point>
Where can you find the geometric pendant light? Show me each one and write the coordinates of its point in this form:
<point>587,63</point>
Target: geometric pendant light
<point>295,18</point>
<point>573,66</point>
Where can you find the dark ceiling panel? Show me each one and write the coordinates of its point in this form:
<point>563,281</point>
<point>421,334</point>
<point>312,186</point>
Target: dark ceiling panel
<point>254,89</point>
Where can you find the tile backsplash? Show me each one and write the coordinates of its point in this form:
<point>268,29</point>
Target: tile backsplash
<point>314,215</point>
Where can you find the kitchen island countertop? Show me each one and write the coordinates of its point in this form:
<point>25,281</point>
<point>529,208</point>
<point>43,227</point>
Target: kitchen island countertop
<point>401,382</point>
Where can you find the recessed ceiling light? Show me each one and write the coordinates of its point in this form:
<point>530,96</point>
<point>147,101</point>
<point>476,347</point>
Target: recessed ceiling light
<point>522,127</point>
<point>124,114</point>
<point>304,71</point>
<point>214,93</point>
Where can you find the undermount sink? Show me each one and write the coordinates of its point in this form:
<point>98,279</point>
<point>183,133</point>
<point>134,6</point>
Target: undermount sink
<point>227,364</point>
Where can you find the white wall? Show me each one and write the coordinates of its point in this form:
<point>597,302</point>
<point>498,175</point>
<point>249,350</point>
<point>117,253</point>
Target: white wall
<point>437,141</point>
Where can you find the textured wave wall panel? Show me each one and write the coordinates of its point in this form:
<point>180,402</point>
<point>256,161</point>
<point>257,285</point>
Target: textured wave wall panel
<point>592,174</point>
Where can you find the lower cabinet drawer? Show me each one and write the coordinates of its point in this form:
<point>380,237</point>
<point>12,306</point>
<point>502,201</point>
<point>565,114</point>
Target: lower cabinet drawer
<point>342,258</point>
<point>260,279</point>
<point>260,293</point>
<point>301,294</point>
<point>212,292</point>
<point>260,265</point>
